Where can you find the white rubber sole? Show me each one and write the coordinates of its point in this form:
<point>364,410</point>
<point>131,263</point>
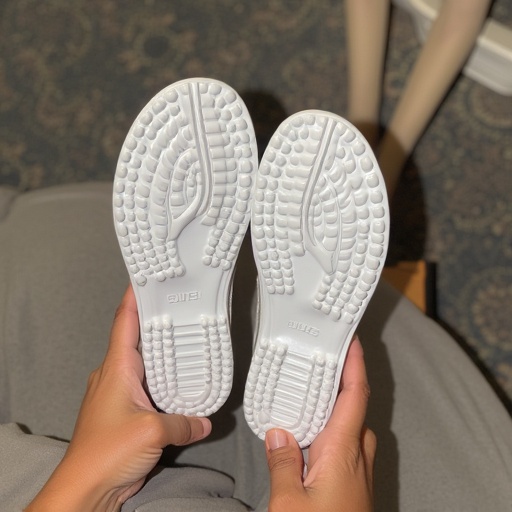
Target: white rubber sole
<point>181,200</point>
<point>320,227</point>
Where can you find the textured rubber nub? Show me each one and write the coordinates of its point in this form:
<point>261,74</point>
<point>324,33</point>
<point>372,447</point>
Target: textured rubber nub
<point>320,224</point>
<point>181,200</point>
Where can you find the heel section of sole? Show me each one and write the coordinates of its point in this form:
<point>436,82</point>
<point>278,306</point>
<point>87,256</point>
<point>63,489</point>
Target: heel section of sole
<point>289,390</point>
<point>188,367</point>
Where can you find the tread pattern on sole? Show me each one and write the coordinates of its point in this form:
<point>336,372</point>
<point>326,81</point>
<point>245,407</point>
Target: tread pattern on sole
<point>189,153</point>
<point>319,192</point>
<point>289,390</point>
<point>184,178</point>
<point>188,367</point>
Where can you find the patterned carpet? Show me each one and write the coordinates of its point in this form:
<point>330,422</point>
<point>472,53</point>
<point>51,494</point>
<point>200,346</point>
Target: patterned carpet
<point>73,76</point>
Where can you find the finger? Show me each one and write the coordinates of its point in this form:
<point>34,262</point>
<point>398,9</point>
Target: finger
<point>285,463</point>
<point>368,450</point>
<point>181,430</point>
<point>350,409</point>
<point>125,329</point>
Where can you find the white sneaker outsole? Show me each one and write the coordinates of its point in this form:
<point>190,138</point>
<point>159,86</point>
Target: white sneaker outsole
<point>319,225</point>
<point>181,201</point>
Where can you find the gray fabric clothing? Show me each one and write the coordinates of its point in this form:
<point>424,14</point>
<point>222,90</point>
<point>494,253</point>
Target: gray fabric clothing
<point>445,440</point>
<point>28,461</point>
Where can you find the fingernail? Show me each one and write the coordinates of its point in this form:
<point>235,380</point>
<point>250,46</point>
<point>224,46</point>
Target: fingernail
<point>207,427</point>
<point>276,438</point>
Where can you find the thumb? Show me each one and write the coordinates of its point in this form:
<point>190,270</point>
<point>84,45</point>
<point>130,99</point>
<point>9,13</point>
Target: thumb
<point>285,463</point>
<point>181,430</point>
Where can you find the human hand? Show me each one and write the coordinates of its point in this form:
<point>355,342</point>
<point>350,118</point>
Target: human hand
<point>119,436</point>
<point>340,465</point>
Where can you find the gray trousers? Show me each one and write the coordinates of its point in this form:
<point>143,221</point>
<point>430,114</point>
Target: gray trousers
<point>444,438</point>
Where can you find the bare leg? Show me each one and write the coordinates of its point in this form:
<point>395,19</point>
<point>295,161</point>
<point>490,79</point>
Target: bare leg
<point>367,29</point>
<point>448,45</point>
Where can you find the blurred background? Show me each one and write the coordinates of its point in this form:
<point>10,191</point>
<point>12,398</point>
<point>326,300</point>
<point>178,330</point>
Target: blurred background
<point>74,75</point>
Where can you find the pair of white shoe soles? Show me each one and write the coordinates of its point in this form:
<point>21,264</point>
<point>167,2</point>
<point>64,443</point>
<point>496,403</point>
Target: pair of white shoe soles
<point>187,184</point>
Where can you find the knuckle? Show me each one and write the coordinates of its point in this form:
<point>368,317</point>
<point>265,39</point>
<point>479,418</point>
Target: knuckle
<point>183,431</point>
<point>365,391</point>
<point>359,390</point>
<point>280,460</point>
<point>152,427</point>
<point>350,463</point>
